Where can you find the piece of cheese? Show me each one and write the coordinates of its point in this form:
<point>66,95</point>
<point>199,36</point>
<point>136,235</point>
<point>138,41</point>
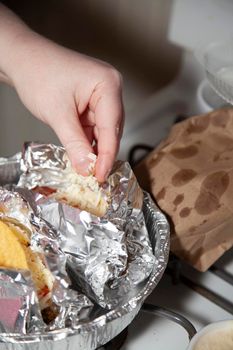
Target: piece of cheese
<point>12,254</point>
<point>15,253</point>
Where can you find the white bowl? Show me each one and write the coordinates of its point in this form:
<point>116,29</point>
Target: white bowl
<point>218,335</point>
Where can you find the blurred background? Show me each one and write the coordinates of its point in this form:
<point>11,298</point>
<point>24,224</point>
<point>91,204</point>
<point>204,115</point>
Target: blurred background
<point>129,34</point>
<point>150,42</point>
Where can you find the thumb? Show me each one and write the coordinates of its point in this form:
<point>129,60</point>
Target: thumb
<point>71,134</point>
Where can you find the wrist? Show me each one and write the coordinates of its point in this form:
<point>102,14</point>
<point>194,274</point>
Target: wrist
<point>14,34</point>
<point>15,54</point>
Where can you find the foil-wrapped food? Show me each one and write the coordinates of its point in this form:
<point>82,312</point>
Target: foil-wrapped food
<point>83,250</point>
<point>33,270</point>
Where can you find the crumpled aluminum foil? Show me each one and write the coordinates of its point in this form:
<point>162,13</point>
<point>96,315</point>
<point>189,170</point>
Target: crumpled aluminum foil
<point>43,239</point>
<point>108,256</point>
<point>19,308</point>
<point>101,325</point>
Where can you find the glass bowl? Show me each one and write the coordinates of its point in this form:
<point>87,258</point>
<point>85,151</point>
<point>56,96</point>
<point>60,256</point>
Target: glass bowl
<point>217,60</point>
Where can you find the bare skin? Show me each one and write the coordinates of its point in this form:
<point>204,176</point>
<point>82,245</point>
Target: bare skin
<point>79,97</point>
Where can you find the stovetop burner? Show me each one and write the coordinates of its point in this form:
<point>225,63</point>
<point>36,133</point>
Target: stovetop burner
<point>117,342</point>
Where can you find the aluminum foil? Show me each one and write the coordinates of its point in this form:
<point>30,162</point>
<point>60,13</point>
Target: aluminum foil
<point>101,329</point>
<point>102,325</point>
<point>108,256</point>
<point>107,262</point>
<point>19,308</point>
<point>43,239</point>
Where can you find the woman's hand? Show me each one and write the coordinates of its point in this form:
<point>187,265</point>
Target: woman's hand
<point>79,97</point>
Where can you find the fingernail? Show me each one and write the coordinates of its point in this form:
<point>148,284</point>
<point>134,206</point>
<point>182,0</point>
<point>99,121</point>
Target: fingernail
<point>82,165</point>
<point>85,164</point>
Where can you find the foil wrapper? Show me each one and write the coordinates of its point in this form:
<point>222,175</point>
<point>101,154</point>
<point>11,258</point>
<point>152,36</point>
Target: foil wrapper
<point>108,256</point>
<point>19,308</point>
<point>15,206</point>
<point>134,234</point>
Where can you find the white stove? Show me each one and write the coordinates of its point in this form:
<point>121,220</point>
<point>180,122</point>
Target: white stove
<point>202,298</point>
<point>191,297</point>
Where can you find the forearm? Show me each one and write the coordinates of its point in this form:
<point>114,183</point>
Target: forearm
<point>13,33</point>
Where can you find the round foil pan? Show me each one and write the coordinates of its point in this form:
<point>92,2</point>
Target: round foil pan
<point>102,329</point>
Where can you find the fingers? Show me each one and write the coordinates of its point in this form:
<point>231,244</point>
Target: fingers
<point>88,130</point>
<point>107,146</point>
<point>101,119</point>
<point>74,139</point>
<point>109,124</point>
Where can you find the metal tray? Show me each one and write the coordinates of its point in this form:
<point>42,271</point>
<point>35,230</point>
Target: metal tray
<point>99,330</point>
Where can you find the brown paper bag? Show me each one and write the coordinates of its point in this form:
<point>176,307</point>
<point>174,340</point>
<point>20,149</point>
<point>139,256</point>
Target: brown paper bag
<point>190,175</point>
